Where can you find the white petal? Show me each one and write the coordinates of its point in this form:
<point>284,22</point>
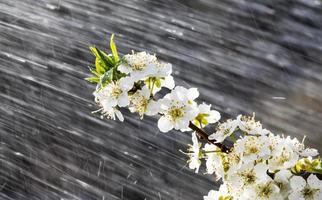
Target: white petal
<point>192,94</point>
<point>165,104</point>
<point>297,183</point>
<point>313,181</point>
<point>204,108</point>
<point>214,116</point>
<point>309,152</point>
<point>260,170</point>
<point>109,103</point>
<point>123,100</point>
<point>119,115</point>
<point>181,124</point>
<point>146,92</point>
<point>126,83</point>
<point>153,108</point>
<point>168,82</point>
<point>180,94</point>
<point>124,69</point>
<point>164,124</point>
<point>295,195</point>
<point>217,136</point>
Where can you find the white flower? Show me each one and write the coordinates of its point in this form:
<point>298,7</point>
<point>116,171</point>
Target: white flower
<point>213,160</point>
<point>206,116</point>
<point>309,152</point>
<point>266,190</point>
<point>195,154</point>
<point>299,147</point>
<point>115,93</point>
<point>252,148</point>
<point>249,126</point>
<point>248,175</point>
<point>283,156</point>
<point>224,130</point>
<point>222,194</point>
<point>231,162</point>
<point>138,65</point>
<point>306,190</point>
<point>141,102</point>
<point>110,112</point>
<point>178,109</point>
<point>282,180</point>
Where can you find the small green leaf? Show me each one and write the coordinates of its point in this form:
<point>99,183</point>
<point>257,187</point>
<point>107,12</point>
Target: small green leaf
<point>93,79</point>
<point>94,51</point>
<point>93,71</point>
<point>100,69</point>
<point>103,62</point>
<point>113,49</point>
<point>107,77</point>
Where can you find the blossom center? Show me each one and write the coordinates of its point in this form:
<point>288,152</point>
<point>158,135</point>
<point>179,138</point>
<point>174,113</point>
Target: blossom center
<point>116,91</point>
<point>249,177</point>
<point>141,105</point>
<point>139,66</point>
<point>176,113</point>
<point>265,190</point>
<point>308,192</point>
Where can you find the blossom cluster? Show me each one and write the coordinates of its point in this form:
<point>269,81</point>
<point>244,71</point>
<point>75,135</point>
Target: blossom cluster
<point>139,76</point>
<point>258,164</point>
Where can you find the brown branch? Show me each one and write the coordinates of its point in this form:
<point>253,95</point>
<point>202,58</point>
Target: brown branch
<point>203,135</point>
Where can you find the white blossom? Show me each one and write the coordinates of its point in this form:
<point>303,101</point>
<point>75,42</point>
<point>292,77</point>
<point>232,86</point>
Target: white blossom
<point>283,156</point>
<point>213,160</point>
<point>265,190</point>
<point>282,180</point>
<point>138,65</point>
<point>306,190</point>
<point>110,112</point>
<point>194,153</point>
<point>206,116</point>
<point>248,175</point>
<point>115,93</point>
<point>178,109</point>
<point>224,130</point>
<point>252,148</point>
<point>141,102</point>
<point>299,147</point>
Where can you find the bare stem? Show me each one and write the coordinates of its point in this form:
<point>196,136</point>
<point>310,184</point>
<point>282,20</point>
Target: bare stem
<point>203,135</point>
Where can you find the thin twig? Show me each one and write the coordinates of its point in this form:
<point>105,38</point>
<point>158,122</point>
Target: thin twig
<point>203,135</point>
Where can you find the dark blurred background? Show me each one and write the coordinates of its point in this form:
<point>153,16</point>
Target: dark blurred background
<point>244,56</point>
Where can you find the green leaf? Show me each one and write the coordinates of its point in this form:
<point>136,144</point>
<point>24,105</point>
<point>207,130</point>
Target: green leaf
<point>93,71</point>
<point>113,49</point>
<point>107,77</point>
<point>93,79</point>
<point>103,62</point>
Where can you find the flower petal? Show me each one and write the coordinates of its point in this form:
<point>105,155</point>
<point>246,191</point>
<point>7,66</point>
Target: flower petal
<point>192,93</point>
<point>164,124</point>
<point>123,100</point>
<point>297,183</point>
<point>119,115</point>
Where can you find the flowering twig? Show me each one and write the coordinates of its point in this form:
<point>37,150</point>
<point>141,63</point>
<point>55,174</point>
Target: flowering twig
<point>259,165</point>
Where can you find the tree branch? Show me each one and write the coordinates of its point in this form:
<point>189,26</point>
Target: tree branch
<point>203,135</point>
